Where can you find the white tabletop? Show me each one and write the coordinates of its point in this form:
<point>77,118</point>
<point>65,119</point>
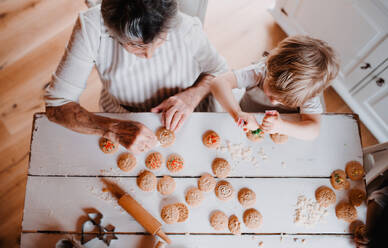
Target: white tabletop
<point>66,169</point>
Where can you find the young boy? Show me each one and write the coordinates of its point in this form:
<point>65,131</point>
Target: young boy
<point>289,79</point>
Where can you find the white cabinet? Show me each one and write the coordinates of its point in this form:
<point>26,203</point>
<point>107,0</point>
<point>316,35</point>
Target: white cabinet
<point>358,31</point>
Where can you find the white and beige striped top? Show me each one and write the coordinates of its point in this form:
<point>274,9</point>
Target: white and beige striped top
<point>136,83</point>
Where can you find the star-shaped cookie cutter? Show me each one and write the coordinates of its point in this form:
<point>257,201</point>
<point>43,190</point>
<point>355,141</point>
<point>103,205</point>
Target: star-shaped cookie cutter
<point>106,234</point>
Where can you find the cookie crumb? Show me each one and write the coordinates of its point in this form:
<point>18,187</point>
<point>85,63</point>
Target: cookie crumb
<point>261,244</point>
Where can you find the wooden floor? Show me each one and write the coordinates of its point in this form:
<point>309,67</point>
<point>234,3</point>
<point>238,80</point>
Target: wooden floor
<point>33,36</point>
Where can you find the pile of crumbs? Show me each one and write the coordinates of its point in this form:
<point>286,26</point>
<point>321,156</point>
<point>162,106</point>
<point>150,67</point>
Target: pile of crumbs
<point>110,172</point>
<point>308,212</point>
<point>238,152</point>
<point>105,195</point>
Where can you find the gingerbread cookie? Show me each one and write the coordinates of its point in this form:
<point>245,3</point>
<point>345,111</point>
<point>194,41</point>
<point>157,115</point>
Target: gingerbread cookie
<point>278,138</point>
<point>175,163</point>
<point>354,170</point>
<point>325,196</point>
<point>246,197</point>
<point>338,180</point>
<point>146,181</point>
<point>219,220</point>
<point>154,161</point>
<point>224,190</point>
<point>252,218</point>
<point>346,211</point>
<point>108,146</point>
<point>194,197</point>
<point>170,214</point>
<point>183,212</point>
<point>356,197</point>
<point>221,168</point>
<point>166,137</point>
<point>166,185</point>
<point>255,136</point>
<point>126,162</point>
<point>206,182</point>
<point>211,139</point>
<point>234,225</point>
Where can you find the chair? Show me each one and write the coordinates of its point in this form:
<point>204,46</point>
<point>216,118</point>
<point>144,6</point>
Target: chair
<point>375,164</point>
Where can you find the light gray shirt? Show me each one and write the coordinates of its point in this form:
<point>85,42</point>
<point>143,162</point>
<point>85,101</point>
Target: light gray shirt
<point>136,83</point>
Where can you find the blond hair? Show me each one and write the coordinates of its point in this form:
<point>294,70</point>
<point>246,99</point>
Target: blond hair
<point>300,68</point>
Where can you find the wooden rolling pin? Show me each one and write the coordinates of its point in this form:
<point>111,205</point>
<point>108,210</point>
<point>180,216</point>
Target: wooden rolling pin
<point>142,216</point>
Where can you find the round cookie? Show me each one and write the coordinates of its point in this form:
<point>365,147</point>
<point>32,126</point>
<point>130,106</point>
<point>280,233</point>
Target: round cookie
<point>211,139</point>
<point>221,168</point>
<point>166,185</point>
<point>108,146</point>
<point>234,225</point>
<point>338,180</point>
<point>166,137</point>
<point>354,170</point>
<point>183,212</point>
<point>354,225</point>
<point>170,214</point>
<point>246,197</point>
<point>255,137</point>
<point>154,161</point>
<point>346,211</point>
<point>325,196</point>
<point>146,181</point>
<point>224,190</point>
<point>194,197</point>
<point>252,218</point>
<point>219,220</point>
<point>206,182</point>
<point>356,197</point>
<point>278,138</point>
<point>175,163</point>
<point>126,162</point>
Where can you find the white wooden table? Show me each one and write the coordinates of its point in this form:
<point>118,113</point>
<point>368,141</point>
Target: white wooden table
<point>64,181</point>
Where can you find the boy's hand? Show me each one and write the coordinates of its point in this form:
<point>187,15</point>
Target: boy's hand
<point>250,122</point>
<point>272,123</point>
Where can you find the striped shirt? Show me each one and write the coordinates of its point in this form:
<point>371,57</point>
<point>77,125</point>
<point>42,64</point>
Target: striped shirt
<point>131,83</point>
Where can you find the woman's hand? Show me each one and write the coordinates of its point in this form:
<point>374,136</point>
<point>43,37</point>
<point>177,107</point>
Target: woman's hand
<point>175,110</point>
<point>272,123</point>
<point>133,135</point>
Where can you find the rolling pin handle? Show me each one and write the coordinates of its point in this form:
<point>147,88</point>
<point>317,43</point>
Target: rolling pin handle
<point>163,236</point>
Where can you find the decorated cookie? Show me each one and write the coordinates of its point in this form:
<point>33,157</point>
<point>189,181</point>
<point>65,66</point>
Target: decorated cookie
<point>170,214</point>
<point>278,138</point>
<point>206,182</point>
<point>183,212</point>
<point>246,197</point>
<point>108,146</point>
<point>219,220</point>
<point>346,212</point>
<point>356,197</point>
<point>221,168</point>
<point>126,162</point>
<point>146,181</point>
<point>166,137</point>
<point>252,218</point>
<point>194,197</point>
<point>338,180</point>
<point>325,196</point>
<point>166,185</point>
<point>175,163</point>
<point>154,161</point>
<point>211,139</point>
<point>354,170</point>
<point>234,225</point>
<point>224,190</point>
<point>255,136</point>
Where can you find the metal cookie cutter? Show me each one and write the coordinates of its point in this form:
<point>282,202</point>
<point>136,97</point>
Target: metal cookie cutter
<point>92,229</point>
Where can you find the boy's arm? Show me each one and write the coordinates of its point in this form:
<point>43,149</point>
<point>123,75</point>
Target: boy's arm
<point>221,88</point>
<point>307,128</point>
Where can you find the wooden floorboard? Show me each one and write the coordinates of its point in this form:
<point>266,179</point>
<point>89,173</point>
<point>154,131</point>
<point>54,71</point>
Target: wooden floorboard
<point>34,35</point>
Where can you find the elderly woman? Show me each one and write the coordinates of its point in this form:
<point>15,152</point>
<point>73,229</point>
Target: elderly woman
<point>149,56</point>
